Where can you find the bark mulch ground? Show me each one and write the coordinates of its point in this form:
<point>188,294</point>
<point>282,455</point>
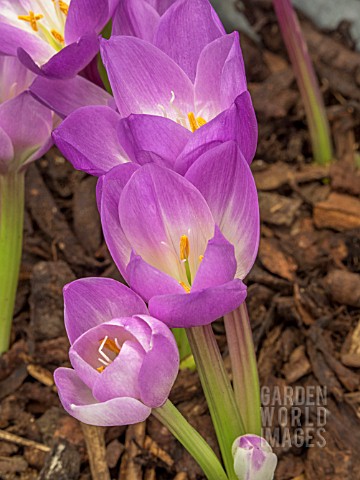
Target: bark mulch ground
<point>304,290</point>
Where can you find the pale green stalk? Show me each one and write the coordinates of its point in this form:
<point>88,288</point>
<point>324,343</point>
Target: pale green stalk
<point>194,443</point>
<point>244,368</point>
<point>11,228</point>
<point>306,79</point>
<point>218,392</point>
<point>186,358</point>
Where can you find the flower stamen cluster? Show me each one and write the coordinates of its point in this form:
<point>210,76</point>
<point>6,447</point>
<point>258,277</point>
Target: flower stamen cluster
<point>189,121</point>
<point>113,346</point>
<point>51,29</point>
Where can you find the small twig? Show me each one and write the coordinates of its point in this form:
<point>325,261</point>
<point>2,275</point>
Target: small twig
<point>158,452</point>
<point>40,374</point>
<point>134,442</point>
<point>95,444</point>
<point>11,438</point>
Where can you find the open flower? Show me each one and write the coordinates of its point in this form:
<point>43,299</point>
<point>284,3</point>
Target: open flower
<point>25,124</point>
<point>184,244</point>
<point>190,82</point>
<point>54,38</point>
<point>190,73</point>
<point>95,139</point>
<point>253,458</point>
<point>124,361</point>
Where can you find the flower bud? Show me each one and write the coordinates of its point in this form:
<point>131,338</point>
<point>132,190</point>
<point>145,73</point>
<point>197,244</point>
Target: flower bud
<point>253,458</point>
<point>124,361</point>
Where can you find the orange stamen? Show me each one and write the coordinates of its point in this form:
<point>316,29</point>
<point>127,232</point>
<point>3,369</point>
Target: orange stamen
<point>185,287</point>
<point>192,121</point>
<point>32,19</point>
<point>58,37</point>
<point>200,121</point>
<point>184,247</point>
<point>195,123</point>
<point>111,345</point>
<point>64,7</point>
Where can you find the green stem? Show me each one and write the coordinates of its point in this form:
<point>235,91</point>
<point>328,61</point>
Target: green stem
<point>194,443</point>
<point>186,358</point>
<point>244,368</point>
<point>218,392</point>
<point>182,342</point>
<point>106,33</point>
<point>11,228</point>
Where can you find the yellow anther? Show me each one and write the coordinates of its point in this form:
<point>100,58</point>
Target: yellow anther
<point>57,35</point>
<point>195,123</point>
<point>101,369</point>
<point>185,287</point>
<point>200,121</point>
<point>201,257</point>
<point>64,7</point>
<point>184,247</point>
<point>32,19</point>
<point>192,121</point>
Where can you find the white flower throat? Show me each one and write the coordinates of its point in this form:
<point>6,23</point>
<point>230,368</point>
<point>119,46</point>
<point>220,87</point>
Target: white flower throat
<point>189,121</point>
<point>186,272</point>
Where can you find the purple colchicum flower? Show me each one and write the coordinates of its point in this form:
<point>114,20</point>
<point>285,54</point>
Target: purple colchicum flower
<point>183,244</point>
<point>94,139</point>
<point>191,79</point>
<point>253,458</point>
<point>190,73</point>
<point>124,361</point>
<point>25,124</point>
<point>53,38</point>
<point>14,78</point>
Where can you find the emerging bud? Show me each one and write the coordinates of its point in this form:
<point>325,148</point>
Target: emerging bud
<point>253,458</point>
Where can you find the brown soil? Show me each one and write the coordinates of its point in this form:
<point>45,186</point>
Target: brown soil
<point>304,291</point>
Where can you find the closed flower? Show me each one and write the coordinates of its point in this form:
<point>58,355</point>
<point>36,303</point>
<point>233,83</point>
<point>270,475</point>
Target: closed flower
<point>124,361</point>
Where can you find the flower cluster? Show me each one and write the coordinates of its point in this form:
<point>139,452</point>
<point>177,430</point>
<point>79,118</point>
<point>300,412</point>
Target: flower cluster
<point>171,145</point>
<point>176,196</point>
